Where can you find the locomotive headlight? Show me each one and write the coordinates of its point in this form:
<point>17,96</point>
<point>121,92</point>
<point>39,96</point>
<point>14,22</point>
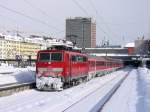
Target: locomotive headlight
<point>57,69</point>
<point>39,75</point>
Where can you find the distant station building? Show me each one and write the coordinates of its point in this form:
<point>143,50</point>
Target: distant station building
<point>142,47</point>
<point>109,52</point>
<point>131,48</point>
<point>125,53</point>
<point>142,51</point>
<point>81,31</point>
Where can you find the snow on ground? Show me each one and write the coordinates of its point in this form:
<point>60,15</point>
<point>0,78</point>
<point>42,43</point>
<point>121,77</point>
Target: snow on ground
<point>4,68</point>
<point>143,88</point>
<point>133,95</point>
<point>46,101</point>
<point>10,74</point>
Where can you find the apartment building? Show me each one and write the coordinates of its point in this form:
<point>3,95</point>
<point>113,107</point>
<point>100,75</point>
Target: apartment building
<point>13,46</point>
<point>2,47</point>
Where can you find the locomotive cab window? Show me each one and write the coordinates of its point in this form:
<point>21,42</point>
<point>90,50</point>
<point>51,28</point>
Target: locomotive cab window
<point>50,57</point>
<point>56,57</point>
<point>73,58</point>
<point>44,56</point>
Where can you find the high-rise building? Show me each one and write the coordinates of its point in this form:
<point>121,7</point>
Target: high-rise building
<point>81,31</point>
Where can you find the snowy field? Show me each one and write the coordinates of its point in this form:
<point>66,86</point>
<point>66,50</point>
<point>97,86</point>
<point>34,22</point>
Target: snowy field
<point>10,74</point>
<point>133,95</point>
<point>46,101</point>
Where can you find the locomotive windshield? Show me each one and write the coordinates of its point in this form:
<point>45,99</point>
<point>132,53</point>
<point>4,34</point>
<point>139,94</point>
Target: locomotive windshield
<point>44,57</point>
<point>50,56</point>
<point>56,56</point>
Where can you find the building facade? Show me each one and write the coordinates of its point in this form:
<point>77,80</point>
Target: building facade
<point>11,47</point>
<point>131,48</point>
<point>81,31</point>
<point>16,47</point>
<point>142,47</point>
<point>2,47</point>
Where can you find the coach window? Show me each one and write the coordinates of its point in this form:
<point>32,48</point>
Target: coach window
<point>73,58</point>
<point>84,59</point>
<point>80,58</point>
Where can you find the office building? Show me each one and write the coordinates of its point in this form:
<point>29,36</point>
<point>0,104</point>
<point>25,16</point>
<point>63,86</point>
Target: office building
<point>81,31</point>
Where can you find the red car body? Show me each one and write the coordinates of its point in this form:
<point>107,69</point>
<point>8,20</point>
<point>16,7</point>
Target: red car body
<point>71,66</point>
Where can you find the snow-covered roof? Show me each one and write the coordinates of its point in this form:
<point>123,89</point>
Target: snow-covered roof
<point>130,44</point>
<point>59,42</point>
<point>48,42</point>
<point>13,38</point>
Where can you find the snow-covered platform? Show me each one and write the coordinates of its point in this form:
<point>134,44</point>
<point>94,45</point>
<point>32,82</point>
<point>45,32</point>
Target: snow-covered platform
<point>133,95</point>
<point>10,74</point>
<point>81,98</point>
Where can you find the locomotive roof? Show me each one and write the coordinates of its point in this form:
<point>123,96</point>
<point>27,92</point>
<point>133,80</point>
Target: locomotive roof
<point>72,52</point>
<point>89,56</point>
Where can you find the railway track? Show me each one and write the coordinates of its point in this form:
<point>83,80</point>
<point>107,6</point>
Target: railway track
<point>66,102</point>
<point>3,73</point>
<point>104,100</point>
<point>11,88</point>
<point>113,92</point>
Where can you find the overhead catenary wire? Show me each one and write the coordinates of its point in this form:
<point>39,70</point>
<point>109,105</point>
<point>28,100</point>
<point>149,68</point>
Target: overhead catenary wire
<point>102,31</point>
<point>43,13</point>
<point>86,13</point>
<point>97,13</point>
<point>37,8</point>
<point>40,10</point>
<point>29,17</point>
<point>100,16</point>
<point>81,8</point>
<point>14,21</point>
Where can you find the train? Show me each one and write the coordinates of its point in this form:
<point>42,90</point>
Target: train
<point>57,68</point>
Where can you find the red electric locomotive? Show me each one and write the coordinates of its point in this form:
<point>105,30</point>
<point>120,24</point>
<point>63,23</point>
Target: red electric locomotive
<point>57,67</point>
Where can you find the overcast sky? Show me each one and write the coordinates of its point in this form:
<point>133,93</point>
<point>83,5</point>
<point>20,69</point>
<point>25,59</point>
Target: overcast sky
<point>119,21</point>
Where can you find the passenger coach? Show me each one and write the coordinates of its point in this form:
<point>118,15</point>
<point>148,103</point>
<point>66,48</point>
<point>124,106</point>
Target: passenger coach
<point>56,68</point>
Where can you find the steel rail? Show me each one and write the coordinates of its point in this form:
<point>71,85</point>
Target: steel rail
<point>113,92</point>
<point>105,84</point>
